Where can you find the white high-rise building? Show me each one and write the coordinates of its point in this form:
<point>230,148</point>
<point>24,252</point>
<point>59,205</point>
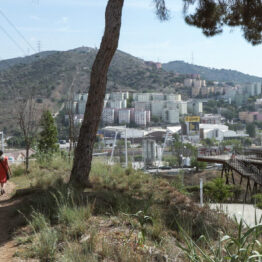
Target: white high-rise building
<point>173,97</point>
<point>81,106</point>
<point>197,83</point>
<point>108,115</point>
<point>119,96</point>
<point>141,118</point>
<point>157,96</point>
<point>188,82</point>
<point>195,107</point>
<point>183,108</point>
<point>117,103</point>
<point>142,106</point>
<point>142,97</point>
<point>170,116</point>
<point>157,108</point>
<point>124,116</point>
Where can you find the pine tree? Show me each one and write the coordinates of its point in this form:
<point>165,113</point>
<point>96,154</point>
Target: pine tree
<point>48,136</point>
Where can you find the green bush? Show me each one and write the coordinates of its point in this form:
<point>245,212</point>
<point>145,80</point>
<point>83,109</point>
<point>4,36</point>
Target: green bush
<point>18,171</point>
<point>258,200</point>
<point>240,247</point>
<point>217,190</point>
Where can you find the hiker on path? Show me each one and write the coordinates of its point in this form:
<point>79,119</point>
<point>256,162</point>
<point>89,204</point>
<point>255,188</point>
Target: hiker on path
<point>5,171</point>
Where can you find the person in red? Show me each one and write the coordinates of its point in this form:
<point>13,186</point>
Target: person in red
<point>4,171</point>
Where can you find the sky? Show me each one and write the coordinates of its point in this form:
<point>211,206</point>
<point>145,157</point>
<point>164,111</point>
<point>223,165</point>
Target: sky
<point>68,24</point>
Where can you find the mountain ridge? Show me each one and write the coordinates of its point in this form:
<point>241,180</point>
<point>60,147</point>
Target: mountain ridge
<point>209,73</point>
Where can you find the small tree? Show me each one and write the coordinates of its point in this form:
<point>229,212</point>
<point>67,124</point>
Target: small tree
<point>251,129</point>
<point>218,191</point>
<point>26,114</point>
<point>48,136</point>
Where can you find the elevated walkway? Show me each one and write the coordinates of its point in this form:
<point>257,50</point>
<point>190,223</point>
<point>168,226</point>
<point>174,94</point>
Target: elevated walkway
<point>247,166</point>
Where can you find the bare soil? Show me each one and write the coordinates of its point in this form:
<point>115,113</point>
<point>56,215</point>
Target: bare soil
<point>8,222</point>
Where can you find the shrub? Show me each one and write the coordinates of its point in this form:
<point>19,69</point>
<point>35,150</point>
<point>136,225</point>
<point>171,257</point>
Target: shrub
<point>74,218</point>
<point>258,200</point>
<point>45,244</point>
<point>38,222</point>
<point>18,171</point>
<point>217,190</point>
<point>243,246</point>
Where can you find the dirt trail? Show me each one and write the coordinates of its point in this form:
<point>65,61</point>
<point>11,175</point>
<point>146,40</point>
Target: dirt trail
<point>8,222</point>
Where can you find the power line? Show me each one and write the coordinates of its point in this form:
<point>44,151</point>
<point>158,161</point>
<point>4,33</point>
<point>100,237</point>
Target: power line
<point>12,39</point>
<point>18,32</point>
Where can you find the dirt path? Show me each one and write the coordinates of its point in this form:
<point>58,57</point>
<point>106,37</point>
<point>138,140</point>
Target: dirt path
<point>8,221</point>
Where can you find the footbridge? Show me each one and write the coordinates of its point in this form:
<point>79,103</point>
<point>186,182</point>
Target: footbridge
<point>247,165</point>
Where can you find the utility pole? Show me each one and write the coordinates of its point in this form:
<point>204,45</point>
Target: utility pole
<point>126,147</point>
<point>39,46</point>
<point>201,192</point>
<point>112,152</point>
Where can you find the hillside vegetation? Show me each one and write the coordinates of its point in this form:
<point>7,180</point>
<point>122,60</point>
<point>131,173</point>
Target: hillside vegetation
<point>50,75</point>
<point>126,216</point>
<point>212,74</point>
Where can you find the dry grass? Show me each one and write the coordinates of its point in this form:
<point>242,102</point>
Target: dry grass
<point>102,223</point>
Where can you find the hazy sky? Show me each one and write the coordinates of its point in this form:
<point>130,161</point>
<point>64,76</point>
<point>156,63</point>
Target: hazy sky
<point>67,24</point>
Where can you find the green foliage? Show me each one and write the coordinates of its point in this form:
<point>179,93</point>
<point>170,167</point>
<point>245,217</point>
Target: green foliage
<point>16,141</point>
<point>74,218</point>
<point>217,190</point>
<point>18,170</point>
<point>208,142</point>
<point>171,160</point>
<point>45,244</point>
<point>240,247</point>
<point>38,222</point>
<point>235,143</point>
<point>258,200</point>
<point>62,218</point>
<point>47,142</point>
<point>198,164</point>
<point>143,221</point>
<point>251,129</point>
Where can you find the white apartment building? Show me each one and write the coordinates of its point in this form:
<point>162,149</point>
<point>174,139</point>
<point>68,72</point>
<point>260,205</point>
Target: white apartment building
<point>119,104</point>
<point>188,82</point>
<point>157,96</point>
<point>142,106</point>
<point>172,105</point>
<point>81,106</point>
<point>141,118</point>
<point>142,97</point>
<point>157,108</point>
<point>107,96</point>
<point>182,107</point>
<point>81,97</point>
<point>211,119</point>
<point>170,116</point>
<point>197,83</point>
<point>173,97</point>
<point>124,116</point>
<point>195,107</point>
<point>116,96</point>
<point>108,115</point>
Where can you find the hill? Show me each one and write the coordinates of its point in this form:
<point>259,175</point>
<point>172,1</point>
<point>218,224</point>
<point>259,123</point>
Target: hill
<point>5,64</point>
<point>126,216</point>
<point>50,75</point>
<point>212,74</point>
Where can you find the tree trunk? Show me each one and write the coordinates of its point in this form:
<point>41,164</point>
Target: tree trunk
<point>96,94</point>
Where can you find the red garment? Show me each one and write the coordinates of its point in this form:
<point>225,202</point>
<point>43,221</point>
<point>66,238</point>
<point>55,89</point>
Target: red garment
<point>3,169</point>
